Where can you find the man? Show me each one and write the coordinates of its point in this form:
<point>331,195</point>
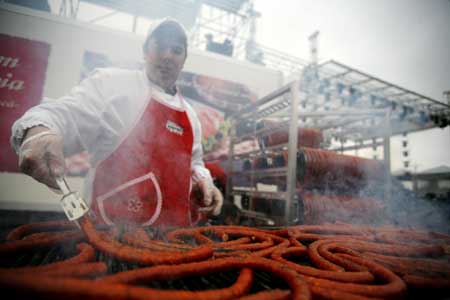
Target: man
<point>144,139</point>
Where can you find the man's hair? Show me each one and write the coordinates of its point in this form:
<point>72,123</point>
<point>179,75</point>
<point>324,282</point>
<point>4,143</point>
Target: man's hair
<point>167,27</point>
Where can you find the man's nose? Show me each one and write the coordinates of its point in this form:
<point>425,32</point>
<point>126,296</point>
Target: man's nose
<point>166,53</point>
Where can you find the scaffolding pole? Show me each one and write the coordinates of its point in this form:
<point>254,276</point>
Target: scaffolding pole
<point>291,190</point>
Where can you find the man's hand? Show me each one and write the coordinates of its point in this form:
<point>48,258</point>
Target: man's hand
<point>212,199</point>
<point>41,156</point>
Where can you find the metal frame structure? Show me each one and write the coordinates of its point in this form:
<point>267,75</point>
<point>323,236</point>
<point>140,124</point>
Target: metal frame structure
<point>411,111</point>
<point>346,104</point>
<point>225,19</point>
<point>289,172</point>
<point>333,85</point>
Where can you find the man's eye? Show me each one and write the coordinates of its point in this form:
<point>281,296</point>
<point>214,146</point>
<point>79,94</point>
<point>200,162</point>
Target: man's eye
<point>178,50</point>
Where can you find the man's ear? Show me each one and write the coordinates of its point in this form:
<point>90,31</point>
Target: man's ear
<point>145,55</point>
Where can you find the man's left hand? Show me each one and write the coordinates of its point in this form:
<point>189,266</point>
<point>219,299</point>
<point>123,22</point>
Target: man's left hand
<point>212,199</point>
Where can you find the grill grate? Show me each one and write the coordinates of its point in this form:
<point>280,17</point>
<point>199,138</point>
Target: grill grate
<point>262,280</point>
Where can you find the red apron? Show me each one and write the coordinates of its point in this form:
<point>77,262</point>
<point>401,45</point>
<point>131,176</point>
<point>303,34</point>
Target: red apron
<point>146,180</point>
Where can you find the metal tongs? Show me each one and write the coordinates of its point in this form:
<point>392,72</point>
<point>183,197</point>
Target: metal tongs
<point>71,202</point>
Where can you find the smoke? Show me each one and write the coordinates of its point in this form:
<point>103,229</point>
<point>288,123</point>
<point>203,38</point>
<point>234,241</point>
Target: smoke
<point>406,209</point>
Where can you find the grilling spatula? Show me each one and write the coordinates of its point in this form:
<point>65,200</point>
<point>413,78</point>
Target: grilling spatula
<point>71,202</point>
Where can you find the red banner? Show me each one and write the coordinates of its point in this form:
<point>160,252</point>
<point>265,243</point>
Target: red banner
<point>23,66</point>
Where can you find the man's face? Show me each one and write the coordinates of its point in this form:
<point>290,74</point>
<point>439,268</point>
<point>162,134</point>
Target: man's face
<point>164,60</point>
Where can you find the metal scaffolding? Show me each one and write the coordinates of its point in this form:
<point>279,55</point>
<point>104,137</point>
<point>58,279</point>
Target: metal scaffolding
<point>347,105</point>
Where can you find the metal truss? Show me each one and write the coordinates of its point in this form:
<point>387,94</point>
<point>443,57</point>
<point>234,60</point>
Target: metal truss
<point>334,97</point>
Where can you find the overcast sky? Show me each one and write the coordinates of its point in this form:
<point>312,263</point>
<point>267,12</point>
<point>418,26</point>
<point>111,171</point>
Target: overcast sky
<point>403,41</point>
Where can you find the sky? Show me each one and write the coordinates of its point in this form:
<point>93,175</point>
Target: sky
<point>402,41</point>
<point>405,42</point>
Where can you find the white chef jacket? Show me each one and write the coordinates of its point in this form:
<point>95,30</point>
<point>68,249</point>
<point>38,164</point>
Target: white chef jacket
<point>97,115</point>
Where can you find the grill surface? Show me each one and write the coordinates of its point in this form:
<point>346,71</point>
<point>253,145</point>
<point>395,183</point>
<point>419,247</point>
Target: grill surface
<point>262,281</point>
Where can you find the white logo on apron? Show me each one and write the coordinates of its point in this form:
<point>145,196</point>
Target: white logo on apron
<point>175,128</point>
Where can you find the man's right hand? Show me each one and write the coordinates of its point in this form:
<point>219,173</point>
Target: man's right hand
<point>41,156</point>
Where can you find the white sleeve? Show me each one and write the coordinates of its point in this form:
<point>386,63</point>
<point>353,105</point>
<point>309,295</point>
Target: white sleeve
<point>75,116</point>
<point>199,171</point>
